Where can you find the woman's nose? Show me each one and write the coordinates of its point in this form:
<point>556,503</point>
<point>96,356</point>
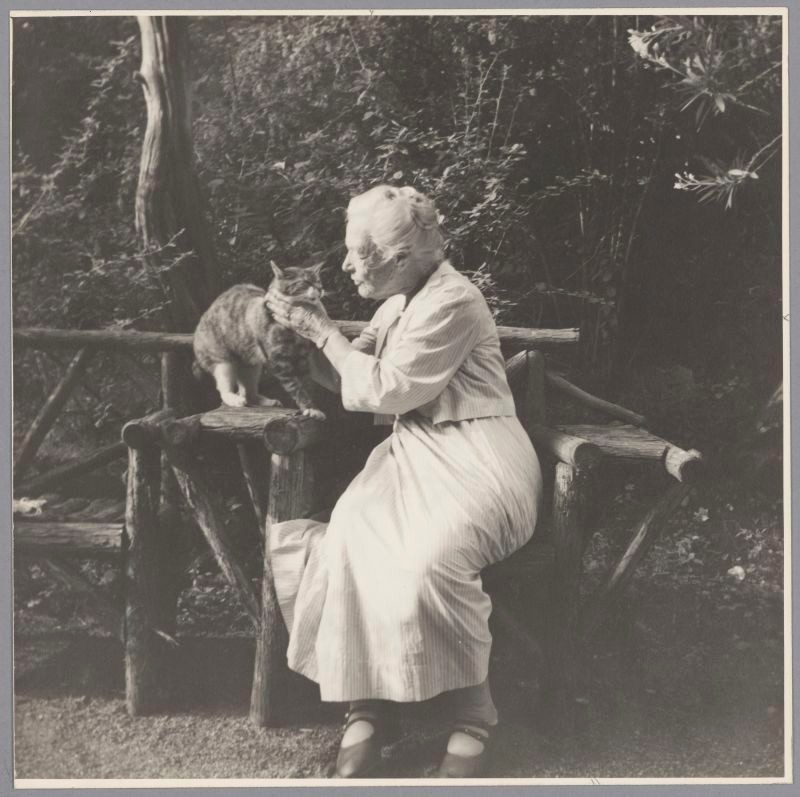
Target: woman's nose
<point>346,265</point>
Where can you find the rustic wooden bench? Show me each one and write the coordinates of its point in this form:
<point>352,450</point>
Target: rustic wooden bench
<point>290,440</point>
<point>276,450</point>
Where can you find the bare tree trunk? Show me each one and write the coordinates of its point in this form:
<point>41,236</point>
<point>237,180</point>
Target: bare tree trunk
<point>169,211</point>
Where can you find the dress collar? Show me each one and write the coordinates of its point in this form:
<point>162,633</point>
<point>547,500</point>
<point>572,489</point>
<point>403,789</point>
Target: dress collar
<point>444,269</point>
<point>397,304</point>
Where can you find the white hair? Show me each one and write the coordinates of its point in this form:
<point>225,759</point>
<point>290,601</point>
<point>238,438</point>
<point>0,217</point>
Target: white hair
<point>398,222</point>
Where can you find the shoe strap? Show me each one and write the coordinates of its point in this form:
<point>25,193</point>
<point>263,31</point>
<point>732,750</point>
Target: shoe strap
<point>362,715</point>
<point>471,729</point>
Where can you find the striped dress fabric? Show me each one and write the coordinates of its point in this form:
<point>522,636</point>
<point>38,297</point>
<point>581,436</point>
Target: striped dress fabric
<point>385,601</point>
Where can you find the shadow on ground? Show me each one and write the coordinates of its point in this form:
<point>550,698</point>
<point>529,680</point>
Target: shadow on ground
<point>675,687</point>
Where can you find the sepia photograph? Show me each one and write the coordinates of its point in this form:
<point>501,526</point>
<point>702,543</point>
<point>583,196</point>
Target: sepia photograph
<point>398,397</point>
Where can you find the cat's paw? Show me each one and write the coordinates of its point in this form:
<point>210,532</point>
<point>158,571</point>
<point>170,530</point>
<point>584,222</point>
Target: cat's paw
<point>263,401</point>
<point>313,412</point>
<point>233,399</point>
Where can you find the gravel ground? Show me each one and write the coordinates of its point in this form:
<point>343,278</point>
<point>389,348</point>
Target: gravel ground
<point>685,679</point>
<point>672,690</point>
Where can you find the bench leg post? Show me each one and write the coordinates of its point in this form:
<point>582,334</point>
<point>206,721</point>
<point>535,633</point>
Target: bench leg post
<point>145,654</point>
<point>290,496</point>
<point>570,496</point>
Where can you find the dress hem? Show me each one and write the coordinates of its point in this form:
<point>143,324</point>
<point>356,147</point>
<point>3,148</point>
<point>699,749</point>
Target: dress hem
<point>392,695</point>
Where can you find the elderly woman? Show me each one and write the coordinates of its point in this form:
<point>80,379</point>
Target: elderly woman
<point>384,603</point>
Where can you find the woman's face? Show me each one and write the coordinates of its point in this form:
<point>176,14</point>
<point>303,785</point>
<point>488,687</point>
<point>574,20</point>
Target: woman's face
<point>373,279</point>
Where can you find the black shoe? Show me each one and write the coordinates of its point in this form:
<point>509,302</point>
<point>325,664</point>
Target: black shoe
<point>474,766</point>
<point>363,759</point>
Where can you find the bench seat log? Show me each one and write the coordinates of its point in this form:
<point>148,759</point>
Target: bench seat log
<point>631,443</point>
<point>144,432</point>
<point>685,466</point>
<point>86,538</point>
<point>281,429</point>
<point>564,447</point>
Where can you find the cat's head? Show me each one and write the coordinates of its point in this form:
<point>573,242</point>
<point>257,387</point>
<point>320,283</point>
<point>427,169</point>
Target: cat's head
<point>295,281</point>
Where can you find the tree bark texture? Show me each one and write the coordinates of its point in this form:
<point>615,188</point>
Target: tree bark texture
<point>145,432</point>
<point>283,430</point>
<point>620,440</point>
<point>44,338</point>
<point>630,443</point>
<point>571,497</point>
<point>291,495</point>
<point>71,538</point>
<point>525,372</point>
<point>145,657</point>
<point>601,405</point>
<point>535,410</point>
<point>255,461</point>
<point>174,372</point>
<point>170,218</point>
<point>564,447</point>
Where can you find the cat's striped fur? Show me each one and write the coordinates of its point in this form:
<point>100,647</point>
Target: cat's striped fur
<point>237,337</point>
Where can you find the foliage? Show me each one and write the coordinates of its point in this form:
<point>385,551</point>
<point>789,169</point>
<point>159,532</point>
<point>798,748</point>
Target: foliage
<point>718,66</point>
<point>74,245</point>
<point>551,145</point>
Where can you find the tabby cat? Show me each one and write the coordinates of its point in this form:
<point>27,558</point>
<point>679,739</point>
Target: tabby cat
<point>237,337</point>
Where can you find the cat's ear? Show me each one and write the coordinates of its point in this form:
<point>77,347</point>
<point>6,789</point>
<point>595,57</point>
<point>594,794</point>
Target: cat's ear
<point>276,270</point>
<point>317,268</point>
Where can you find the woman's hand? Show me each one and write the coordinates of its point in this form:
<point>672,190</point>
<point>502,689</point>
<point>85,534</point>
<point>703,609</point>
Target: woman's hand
<point>307,317</point>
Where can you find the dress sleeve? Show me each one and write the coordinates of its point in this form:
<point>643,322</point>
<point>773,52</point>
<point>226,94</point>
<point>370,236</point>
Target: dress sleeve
<point>416,369</point>
<point>367,339</point>
<point>321,370</point>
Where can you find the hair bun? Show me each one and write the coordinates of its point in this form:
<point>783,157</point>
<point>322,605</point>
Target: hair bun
<point>423,211</point>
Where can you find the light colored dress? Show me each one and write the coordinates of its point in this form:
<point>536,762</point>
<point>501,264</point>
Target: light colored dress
<point>385,601</point>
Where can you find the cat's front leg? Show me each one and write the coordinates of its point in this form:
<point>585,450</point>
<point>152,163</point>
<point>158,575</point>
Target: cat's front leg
<point>289,372</point>
<point>248,378</point>
<point>225,378</point>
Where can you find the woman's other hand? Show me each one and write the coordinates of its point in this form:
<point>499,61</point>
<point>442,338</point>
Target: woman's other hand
<point>307,317</point>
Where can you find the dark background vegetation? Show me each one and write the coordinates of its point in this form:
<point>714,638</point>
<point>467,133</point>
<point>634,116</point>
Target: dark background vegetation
<point>551,144</point>
<point>621,174</point>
